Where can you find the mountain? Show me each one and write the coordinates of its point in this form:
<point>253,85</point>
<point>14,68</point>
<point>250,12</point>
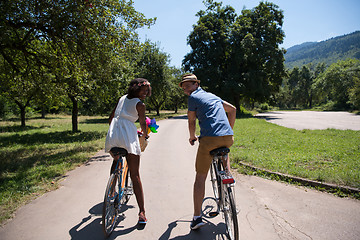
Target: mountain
<point>329,51</point>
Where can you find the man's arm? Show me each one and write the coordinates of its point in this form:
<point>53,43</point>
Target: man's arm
<point>192,126</point>
<point>231,112</point>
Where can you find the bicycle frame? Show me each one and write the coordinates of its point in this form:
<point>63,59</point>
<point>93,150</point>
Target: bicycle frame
<point>217,166</point>
<point>121,170</point>
<point>117,193</point>
<point>224,192</point>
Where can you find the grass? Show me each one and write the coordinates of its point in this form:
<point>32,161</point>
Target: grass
<point>34,158</point>
<point>330,156</point>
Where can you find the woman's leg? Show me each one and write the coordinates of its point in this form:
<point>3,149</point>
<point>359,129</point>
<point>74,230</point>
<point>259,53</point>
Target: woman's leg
<point>134,165</point>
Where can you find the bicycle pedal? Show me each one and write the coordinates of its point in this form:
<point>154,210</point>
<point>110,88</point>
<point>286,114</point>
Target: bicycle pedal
<point>213,214</point>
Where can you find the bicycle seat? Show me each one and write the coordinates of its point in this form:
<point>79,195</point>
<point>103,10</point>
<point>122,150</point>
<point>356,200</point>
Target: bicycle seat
<point>119,151</point>
<point>220,151</point>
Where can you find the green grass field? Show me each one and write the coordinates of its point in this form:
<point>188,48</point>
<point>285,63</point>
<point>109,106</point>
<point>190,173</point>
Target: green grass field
<point>330,155</point>
<point>33,159</point>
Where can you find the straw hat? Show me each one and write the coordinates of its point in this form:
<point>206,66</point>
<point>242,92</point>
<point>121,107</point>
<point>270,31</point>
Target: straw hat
<point>189,78</point>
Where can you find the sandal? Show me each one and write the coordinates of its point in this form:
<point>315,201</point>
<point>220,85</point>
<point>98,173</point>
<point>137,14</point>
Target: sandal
<point>142,218</point>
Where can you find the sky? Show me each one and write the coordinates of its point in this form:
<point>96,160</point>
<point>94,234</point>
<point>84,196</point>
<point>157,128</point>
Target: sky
<point>304,21</point>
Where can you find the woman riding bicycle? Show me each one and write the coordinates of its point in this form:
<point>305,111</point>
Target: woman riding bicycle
<point>123,133</point>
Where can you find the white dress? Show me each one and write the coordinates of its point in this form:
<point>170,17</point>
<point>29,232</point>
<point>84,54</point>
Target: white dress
<point>122,131</point>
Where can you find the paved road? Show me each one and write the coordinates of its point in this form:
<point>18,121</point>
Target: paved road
<point>313,120</point>
<point>268,210</point>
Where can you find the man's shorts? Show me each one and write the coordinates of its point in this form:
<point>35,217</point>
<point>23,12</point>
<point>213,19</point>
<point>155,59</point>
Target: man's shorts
<point>206,144</point>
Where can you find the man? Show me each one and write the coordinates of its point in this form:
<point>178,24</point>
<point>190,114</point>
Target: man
<point>216,130</point>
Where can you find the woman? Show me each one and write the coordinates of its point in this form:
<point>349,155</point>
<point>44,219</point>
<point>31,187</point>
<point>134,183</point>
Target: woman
<point>123,133</point>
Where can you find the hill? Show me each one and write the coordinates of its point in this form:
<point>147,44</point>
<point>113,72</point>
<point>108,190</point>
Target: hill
<point>328,51</point>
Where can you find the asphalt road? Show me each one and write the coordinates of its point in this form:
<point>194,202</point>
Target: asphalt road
<point>313,120</point>
<point>267,209</point>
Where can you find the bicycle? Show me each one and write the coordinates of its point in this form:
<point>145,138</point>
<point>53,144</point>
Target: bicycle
<point>118,191</point>
<point>223,193</point>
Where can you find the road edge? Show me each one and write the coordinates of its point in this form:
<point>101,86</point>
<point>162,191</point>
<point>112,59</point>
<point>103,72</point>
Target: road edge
<point>306,182</point>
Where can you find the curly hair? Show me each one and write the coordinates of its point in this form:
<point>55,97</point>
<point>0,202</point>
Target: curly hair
<point>135,86</point>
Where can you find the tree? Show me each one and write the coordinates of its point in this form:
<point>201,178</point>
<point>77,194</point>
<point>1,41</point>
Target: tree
<point>81,39</point>
<point>211,47</point>
<point>20,84</point>
<point>339,84</point>
<point>177,98</point>
<point>238,57</point>
<point>258,61</point>
<point>154,66</point>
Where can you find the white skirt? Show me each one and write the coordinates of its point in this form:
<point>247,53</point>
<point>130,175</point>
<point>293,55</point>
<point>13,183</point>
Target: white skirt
<point>123,133</point>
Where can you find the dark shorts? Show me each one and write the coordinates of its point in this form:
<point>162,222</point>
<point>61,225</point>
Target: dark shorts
<point>206,144</point>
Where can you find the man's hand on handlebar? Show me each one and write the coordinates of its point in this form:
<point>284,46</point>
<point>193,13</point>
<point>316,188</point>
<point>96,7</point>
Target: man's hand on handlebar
<point>192,140</point>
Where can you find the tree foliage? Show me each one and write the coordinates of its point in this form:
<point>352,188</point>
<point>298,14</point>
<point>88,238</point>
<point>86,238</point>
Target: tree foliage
<point>77,41</point>
<point>332,88</point>
<point>238,57</point>
<point>153,64</point>
<point>340,84</point>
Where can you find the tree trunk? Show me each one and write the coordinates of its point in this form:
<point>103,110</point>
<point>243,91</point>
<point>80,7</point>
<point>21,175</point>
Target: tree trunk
<point>237,103</point>
<point>22,115</point>
<point>75,111</point>
<point>43,112</point>
<point>176,108</point>
<point>22,112</point>
<point>158,111</point>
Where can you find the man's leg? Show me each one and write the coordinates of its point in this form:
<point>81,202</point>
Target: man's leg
<point>199,192</point>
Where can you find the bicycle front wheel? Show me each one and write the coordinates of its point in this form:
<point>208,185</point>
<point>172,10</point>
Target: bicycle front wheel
<point>230,213</point>
<point>110,205</point>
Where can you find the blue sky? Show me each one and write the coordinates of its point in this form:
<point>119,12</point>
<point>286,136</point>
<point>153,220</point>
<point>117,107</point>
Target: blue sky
<point>304,21</point>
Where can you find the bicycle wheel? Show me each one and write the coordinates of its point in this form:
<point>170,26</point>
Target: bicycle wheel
<point>110,205</point>
<point>214,180</point>
<point>230,213</point>
<point>128,190</point>
<point>210,207</point>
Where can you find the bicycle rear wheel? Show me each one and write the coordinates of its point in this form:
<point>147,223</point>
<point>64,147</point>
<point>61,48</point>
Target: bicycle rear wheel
<point>230,213</point>
<point>214,181</point>
<point>110,205</point>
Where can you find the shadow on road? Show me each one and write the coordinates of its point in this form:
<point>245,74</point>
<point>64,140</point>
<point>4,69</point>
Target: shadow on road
<point>87,230</point>
<point>210,232</point>
<point>180,117</point>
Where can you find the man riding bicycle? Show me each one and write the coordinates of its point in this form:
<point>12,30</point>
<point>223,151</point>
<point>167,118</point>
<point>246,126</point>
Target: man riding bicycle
<point>216,130</point>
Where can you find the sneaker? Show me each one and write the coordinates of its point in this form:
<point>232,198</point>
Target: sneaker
<point>196,224</point>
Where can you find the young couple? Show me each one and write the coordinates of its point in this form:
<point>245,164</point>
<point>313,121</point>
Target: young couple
<point>216,119</point>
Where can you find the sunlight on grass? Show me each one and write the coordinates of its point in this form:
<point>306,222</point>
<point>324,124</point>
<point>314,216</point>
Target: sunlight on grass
<point>324,155</point>
<point>32,158</point>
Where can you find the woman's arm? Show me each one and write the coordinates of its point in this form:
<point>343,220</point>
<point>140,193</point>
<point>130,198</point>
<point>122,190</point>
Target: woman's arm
<point>112,115</point>
<point>140,107</point>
